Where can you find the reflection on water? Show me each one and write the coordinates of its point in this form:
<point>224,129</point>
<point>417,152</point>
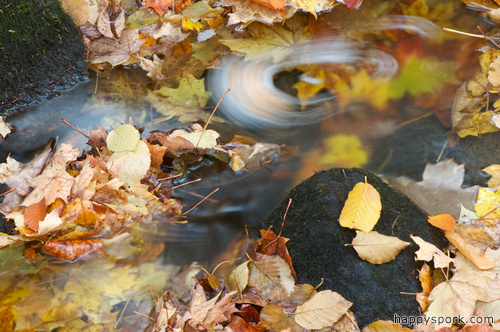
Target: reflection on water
<point>254,103</point>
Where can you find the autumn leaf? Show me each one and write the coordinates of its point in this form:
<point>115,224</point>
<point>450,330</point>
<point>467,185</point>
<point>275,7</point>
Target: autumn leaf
<point>271,276</point>
<point>54,182</point>
<point>130,166</point>
<point>473,253</point>
<point>344,151</point>
<point>123,138</point>
<point>385,326</point>
<point>494,171</point>
<point>443,221</point>
<point>322,310</point>
<point>246,11</point>
<point>440,191</point>
<point>458,295</point>
<point>160,6</point>
<point>377,248</point>
<point>116,52</point>
<point>34,213</point>
<point>4,128</point>
<point>271,244</point>
<point>275,319</point>
<point>72,249</point>
<point>237,277</point>
<point>428,252</point>
<point>362,208</point>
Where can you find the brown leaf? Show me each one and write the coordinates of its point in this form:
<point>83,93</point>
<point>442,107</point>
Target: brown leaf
<point>272,276</point>
<point>116,52</point>
<point>157,154</point>
<point>72,249</point>
<point>270,244</point>
<point>238,324</point>
<point>97,138</point>
<point>34,213</point>
<point>222,311</point>
<point>29,253</point>
<point>160,6</point>
<point>428,252</point>
<point>273,317</point>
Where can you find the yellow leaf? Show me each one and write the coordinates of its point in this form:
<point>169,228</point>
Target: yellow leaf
<point>322,310</point>
<point>377,248</point>
<point>472,253</point>
<point>344,151</point>
<point>362,208</point>
<point>385,326</point>
<point>124,138</point>
<point>475,124</point>
<point>494,171</point>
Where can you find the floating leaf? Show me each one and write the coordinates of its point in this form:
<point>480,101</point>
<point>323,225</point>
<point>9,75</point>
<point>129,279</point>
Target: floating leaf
<point>377,248</point>
<point>130,166</point>
<point>123,138</point>
<point>72,249</point>
<point>362,208</point>
<point>322,310</point>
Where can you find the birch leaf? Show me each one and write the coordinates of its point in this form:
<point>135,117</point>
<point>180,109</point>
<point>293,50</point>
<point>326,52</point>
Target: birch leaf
<point>272,276</point>
<point>130,166</point>
<point>123,138</point>
<point>322,310</point>
<point>362,208</point>
<point>377,248</point>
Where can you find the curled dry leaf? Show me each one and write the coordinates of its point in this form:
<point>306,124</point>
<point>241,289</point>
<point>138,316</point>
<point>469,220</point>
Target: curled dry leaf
<point>377,248</point>
<point>322,310</point>
<point>482,261</point>
<point>428,252</point>
<point>237,278</point>
<point>362,208</point>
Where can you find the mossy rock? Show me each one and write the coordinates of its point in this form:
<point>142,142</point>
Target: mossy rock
<point>41,52</point>
<point>318,251</point>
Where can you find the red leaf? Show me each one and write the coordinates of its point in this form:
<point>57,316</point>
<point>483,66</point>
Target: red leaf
<point>160,6</point>
<point>35,213</point>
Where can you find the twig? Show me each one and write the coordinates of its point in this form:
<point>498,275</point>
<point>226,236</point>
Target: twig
<point>77,130</point>
<point>8,191</point>
<point>210,118</point>
<point>197,180</point>
<point>135,312</point>
<point>191,209</point>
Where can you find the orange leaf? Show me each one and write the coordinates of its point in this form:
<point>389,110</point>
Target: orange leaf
<point>29,253</point>
<point>443,221</point>
<point>72,249</point>
<point>34,213</point>
<point>160,6</point>
<point>278,5</point>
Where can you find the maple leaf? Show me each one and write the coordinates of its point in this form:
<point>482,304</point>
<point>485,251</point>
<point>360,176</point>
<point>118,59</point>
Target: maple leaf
<point>458,295</point>
<point>54,182</point>
<point>377,248</point>
<point>160,6</point>
<point>440,191</point>
<point>116,52</point>
<point>362,208</point>
<point>111,22</point>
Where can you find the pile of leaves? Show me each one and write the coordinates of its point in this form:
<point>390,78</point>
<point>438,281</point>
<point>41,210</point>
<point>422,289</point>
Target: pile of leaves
<point>260,294</point>
<point>64,204</point>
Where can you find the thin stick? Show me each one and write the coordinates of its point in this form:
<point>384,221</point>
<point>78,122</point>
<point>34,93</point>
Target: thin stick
<point>197,180</point>
<point>121,314</point>
<point>135,312</point>
<point>463,33</point>
<point>191,209</point>
<point>198,195</point>
<point>77,130</point>
<point>8,191</point>
<point>210,118</point>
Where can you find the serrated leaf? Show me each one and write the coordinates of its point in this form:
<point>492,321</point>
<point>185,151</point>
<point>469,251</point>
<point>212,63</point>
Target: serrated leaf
<point>377,248</point>
<point>322,310</point>
<point>362,208</point>
<point>272,276</point>
<point>123,138</point>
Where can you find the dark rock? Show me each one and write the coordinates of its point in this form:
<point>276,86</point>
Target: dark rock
<point>317,244</point>
<point>41,52</point>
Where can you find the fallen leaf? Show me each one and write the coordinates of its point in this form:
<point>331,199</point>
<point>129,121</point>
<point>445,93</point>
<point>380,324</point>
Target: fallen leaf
<point>123,138</point>
<point>428,252</point>
<point>458,295</point>
<point>472,253</point>
<point>237,278</point>
<point>130,166</point>
<point>34,213</point>
<point>272,276</point>
<point>72,249</point>
<point>273,317</point>
<point>362,208</point>
<point>271,244</point>
<point>385,326</point>
<point>494,171</point>
<point>116,52</point>
<point>160,6</point>
<point>377,248</point>
<point>246,11</point>
<point>4,128</point>
<point>440,191</point>
<point>443,221</point>
<point>322,310</point>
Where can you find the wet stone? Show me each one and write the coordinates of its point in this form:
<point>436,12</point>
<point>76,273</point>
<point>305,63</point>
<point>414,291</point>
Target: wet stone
<point>318,251</point>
